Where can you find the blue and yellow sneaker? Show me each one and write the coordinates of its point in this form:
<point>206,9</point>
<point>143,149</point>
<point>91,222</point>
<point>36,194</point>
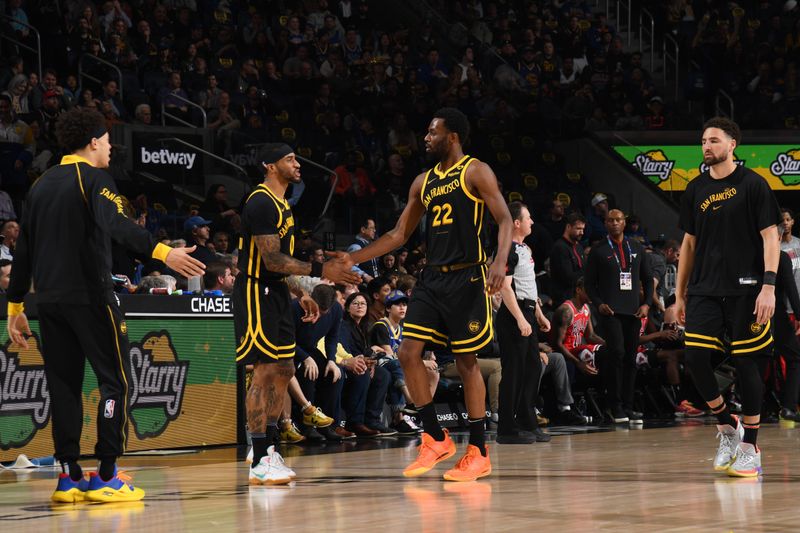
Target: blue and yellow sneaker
<point>118,489</point>
<point>69,491</point>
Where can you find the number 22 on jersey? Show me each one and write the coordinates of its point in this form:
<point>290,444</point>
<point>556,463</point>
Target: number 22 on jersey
<point>442,215</point>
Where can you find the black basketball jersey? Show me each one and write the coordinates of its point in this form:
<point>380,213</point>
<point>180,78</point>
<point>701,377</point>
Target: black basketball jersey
<point>264,214</point>
<point>727,216</point>
<point>455,217</point>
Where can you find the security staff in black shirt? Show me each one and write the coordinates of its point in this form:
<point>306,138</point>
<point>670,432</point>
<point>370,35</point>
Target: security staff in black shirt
<point>615,270</point>
<point>72,213</point>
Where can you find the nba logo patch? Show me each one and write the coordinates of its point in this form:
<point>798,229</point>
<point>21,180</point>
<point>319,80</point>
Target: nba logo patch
<point>266,291</point>
<point>108,412</point>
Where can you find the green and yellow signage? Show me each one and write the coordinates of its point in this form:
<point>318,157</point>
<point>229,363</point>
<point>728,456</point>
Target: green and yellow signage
<point>182,389</point>
<point>672,167</point>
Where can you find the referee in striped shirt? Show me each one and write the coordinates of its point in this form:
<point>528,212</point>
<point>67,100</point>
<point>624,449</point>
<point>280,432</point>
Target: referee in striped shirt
<point>518,320</point>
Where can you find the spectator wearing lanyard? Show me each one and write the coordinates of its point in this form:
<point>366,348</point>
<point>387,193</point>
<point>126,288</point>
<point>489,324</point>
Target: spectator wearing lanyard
<point>615,269</point>
<point>567,258</point>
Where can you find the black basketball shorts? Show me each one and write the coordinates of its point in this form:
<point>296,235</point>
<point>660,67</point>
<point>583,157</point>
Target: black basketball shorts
<point>710,318</point>
<point>262,319</point>
<point>451,310</point>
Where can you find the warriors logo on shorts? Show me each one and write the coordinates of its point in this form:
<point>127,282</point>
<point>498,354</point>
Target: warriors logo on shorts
<point>474,326</point>
<point>755,328</point>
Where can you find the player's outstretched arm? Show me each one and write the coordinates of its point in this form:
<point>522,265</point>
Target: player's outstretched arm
<point>397,236</point>
<point>269,246</point>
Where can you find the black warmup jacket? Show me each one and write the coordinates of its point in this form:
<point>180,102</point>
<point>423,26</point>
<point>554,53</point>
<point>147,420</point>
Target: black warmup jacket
<point>73,211</point>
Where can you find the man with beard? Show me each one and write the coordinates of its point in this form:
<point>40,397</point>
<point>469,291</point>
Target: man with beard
<point>262,314</point>
<point>726,287</point>
<point>567,259</point>
<point>450,305</point>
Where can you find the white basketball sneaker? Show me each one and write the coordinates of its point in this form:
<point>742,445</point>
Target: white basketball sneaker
<point>271,470</point>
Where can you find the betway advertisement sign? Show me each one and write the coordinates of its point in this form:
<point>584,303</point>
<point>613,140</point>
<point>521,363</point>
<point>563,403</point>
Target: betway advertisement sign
<point>167,159</point>
<point>672,167</point>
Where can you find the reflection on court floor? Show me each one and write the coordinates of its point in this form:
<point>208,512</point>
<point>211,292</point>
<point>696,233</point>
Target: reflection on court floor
<point>624,479</point>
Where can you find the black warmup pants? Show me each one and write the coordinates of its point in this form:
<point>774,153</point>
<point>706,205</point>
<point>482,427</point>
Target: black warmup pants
<point>71,335</point>
<point>522,371</point>
<point>618,364</point>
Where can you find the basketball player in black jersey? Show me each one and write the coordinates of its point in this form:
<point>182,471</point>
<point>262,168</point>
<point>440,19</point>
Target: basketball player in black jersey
<point>450,305</point>
<point>726,288</point>
<point>261,305</point>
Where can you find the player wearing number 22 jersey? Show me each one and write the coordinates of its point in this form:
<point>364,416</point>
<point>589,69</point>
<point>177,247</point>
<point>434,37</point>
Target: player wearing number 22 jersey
<point>449,307</point>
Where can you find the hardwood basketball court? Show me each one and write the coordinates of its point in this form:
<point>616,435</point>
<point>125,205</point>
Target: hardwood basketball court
<point>622,479</point>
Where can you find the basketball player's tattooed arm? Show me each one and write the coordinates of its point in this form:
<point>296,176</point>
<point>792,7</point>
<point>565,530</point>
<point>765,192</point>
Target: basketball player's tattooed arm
<point>405,226</point>
<point>269,246</point>
<point>482,180</point>
<point>562,318</point>
<point>335,269</point>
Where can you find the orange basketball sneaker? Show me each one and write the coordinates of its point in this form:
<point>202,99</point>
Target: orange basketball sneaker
<point>470,467</point>
<point>431,452</point>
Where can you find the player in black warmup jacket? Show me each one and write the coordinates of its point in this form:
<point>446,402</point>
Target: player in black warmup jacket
<point>71,214</point>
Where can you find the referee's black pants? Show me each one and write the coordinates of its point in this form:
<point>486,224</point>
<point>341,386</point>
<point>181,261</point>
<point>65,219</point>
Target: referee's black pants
<point>71,335</point>
<point>618,364</point>
<point>521,372</point>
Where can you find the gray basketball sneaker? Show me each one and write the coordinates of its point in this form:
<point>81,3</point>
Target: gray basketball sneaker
<point>729,439</point>
<point>747,462</point>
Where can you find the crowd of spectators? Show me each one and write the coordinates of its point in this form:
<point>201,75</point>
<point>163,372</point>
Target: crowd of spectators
<point>345,82</point>
<point>747,48</point>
